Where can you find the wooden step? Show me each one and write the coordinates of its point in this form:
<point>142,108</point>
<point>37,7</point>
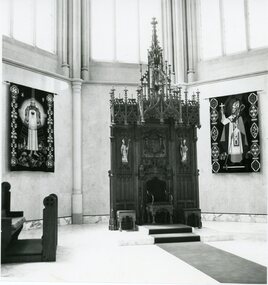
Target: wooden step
<point>175,237</point>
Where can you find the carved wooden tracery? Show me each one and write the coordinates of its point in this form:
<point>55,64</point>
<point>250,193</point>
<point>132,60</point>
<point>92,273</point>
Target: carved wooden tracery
<point>153,137</point>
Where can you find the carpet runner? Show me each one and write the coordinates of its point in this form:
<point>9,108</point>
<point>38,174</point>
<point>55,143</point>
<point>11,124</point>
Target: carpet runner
<point>218,264</point>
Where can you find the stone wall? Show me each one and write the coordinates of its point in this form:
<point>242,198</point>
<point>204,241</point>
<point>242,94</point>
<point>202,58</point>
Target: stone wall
<point>30,188</point>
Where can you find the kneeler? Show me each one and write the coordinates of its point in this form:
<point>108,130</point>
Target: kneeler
<point>37,250</point>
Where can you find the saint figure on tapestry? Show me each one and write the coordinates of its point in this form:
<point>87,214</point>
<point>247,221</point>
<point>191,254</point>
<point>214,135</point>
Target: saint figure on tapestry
<point>32,120</point>
<point>32,129</point>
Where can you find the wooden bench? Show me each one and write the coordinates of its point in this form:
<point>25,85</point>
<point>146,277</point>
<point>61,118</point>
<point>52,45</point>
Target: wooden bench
<point>11,221</point>
<point>36,250</point>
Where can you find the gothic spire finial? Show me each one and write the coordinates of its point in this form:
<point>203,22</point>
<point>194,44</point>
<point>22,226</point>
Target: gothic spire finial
<point>154,22</point>
<point>157,97</point>
<point>154,35</point>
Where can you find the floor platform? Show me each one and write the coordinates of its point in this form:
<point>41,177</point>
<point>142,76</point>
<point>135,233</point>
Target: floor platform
<point>91,253</point>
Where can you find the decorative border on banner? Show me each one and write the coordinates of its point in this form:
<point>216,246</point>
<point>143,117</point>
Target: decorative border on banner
<point>254,131</point>
<point>50,140</point>
<point>14,115</point>
<point>215,152</point>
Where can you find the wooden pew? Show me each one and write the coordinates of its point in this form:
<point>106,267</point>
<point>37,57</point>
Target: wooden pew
<point>56,217</point>
<point>11,221</point>
<point>50,228</point>
<point>37,250</point>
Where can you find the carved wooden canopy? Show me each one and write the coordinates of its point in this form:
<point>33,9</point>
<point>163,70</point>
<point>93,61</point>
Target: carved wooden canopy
<point>157,98</point>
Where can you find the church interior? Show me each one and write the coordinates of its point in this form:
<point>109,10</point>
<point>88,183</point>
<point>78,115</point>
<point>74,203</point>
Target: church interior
<point>133,141</point>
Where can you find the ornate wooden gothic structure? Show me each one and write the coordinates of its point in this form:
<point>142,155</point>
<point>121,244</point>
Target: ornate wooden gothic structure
<point>153,146</point>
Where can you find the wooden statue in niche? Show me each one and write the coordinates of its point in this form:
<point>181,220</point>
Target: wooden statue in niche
<point>124,151</point>
<point>183,151</point>
<point>154,121</point>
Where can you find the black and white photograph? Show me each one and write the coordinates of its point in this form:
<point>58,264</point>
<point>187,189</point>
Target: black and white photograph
<point>134,141</point>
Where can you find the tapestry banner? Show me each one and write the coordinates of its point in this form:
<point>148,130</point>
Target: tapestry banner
<point>234,129</point>
<point>31,129</point>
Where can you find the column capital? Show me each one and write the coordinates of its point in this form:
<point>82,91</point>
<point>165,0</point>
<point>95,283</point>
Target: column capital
<point>77,84</point>
<point>77,81</point>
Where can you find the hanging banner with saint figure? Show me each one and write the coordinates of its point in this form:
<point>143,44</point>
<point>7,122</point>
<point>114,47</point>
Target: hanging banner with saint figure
<point>31,129</point>
<point>234,128</point>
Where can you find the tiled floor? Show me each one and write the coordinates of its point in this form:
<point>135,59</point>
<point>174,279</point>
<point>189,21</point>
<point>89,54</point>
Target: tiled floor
<point>93,254</point>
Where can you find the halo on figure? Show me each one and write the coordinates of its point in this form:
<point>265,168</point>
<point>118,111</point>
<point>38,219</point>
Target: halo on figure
<point>32,102</point>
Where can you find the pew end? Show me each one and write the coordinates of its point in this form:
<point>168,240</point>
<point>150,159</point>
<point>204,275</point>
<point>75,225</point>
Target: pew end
<point>36,250</point>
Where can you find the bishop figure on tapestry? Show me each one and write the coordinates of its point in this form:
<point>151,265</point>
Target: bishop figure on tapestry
<point>235,143</point>
<point>234,138</point>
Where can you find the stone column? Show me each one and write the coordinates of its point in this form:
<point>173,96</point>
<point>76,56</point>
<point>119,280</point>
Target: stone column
<point>74,57</point>
<point>167,31</point>
<point>178,41</point>
<point>76,38</point>
<point>85,39</point>
<point>64,42</point>
<point>77,207</point>
<point>59,33</point>
<point>191,39</point>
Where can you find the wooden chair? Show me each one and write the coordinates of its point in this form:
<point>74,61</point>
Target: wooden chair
<point>37,250</point>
